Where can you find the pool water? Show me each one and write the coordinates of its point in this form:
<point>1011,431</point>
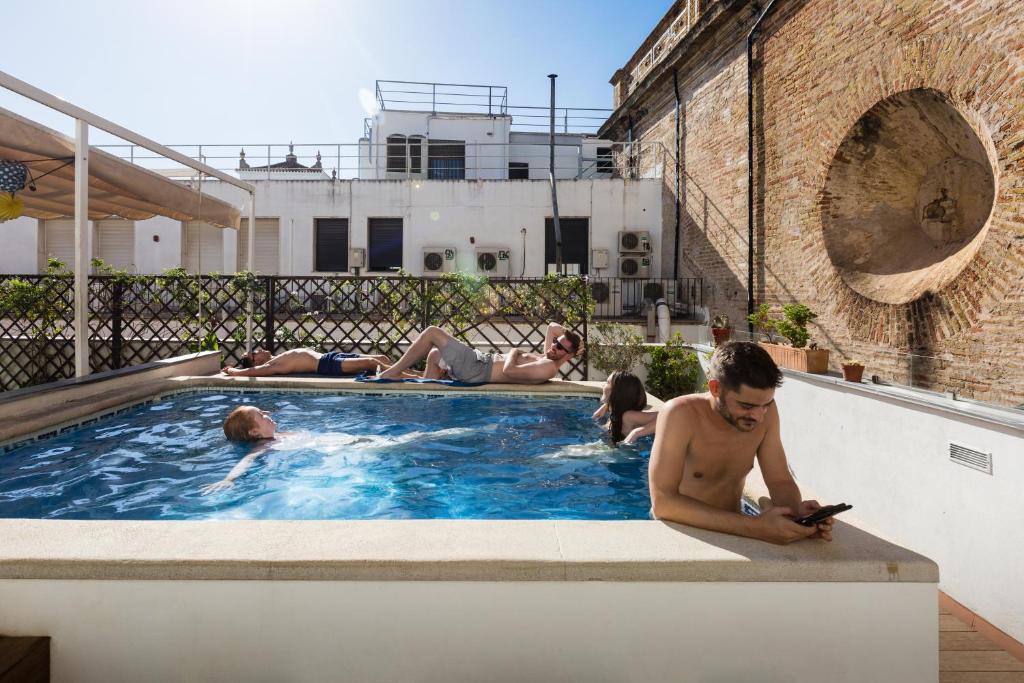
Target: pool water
<point>362,456</point>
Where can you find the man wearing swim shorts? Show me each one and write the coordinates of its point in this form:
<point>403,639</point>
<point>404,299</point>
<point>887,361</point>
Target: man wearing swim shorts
<point>261,363</point>
<point>465,364</point>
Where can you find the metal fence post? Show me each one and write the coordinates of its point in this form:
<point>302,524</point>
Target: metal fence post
<point>268,319</point>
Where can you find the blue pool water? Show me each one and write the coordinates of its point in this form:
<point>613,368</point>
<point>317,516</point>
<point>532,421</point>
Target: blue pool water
<point>390,456</point>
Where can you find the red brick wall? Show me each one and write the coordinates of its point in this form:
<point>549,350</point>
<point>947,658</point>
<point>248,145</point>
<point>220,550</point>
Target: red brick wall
<point>825,63</point>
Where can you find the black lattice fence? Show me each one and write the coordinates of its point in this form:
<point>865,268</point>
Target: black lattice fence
<point>138,319</point>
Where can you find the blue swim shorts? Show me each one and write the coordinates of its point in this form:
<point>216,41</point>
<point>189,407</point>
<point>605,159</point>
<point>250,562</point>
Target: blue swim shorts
<point>330,363</point>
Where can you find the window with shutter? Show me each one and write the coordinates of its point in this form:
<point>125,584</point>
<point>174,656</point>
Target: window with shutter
<point>267,246</point>
<point>331,245</point>
<point>384,244</point>
<point>575,241</point>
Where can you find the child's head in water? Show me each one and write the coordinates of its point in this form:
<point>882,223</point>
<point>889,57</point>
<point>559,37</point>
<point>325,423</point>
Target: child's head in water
<point>249,423</point>
<point>622,392</point>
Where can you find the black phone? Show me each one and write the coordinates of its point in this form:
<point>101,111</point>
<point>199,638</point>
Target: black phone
<point>822,513</point>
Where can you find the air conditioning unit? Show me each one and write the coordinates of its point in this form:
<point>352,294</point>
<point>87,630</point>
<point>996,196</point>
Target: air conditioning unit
<point>493,261</point>
<point>635,266</point>
<point>599,259</point>
<point>634,242</point>
<point>356,258</point>
<point>438,260</point>
<point>607,295</point>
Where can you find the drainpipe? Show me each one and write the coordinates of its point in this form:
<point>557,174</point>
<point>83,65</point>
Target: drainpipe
<point>554,191</point>
<point>675,259</point>
<point>750,162</point>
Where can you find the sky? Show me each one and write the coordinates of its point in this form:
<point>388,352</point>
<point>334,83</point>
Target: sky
<point>239,72</point>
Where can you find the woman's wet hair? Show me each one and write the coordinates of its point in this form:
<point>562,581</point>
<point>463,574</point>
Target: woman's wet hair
<point>625,392</point>
<point>737,363</point>
<point>238,425</point>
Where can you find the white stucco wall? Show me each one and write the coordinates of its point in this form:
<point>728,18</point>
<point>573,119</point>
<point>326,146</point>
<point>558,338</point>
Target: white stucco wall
<point>460,631</point>
<point>890,460</point>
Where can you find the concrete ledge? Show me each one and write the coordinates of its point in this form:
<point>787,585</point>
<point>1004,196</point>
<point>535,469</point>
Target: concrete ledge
<point>439,550</point>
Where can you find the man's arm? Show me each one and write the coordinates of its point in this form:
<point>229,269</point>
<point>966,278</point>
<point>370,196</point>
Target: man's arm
<point>668,456</point>
<point>238,470</point>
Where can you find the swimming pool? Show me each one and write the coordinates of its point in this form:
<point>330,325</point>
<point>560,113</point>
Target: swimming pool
<point>348,456</point>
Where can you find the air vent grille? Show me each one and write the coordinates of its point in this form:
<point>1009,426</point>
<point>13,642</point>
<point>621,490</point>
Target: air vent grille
<point>969,457</point>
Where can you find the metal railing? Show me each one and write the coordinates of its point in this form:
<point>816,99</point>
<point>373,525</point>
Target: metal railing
<point>630,298</point>
<point>481,161</point>
<point>689,13</point>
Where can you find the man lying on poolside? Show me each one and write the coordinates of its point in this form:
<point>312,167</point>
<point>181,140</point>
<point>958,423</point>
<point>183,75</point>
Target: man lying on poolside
<point>261,363</point>
<point>465,364</point>
<point>705,444</point>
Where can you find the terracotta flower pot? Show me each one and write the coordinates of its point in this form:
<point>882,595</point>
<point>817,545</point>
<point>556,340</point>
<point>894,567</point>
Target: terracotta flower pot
<point>853,373</point>
<point>721,334</point>
<point>804,360</point>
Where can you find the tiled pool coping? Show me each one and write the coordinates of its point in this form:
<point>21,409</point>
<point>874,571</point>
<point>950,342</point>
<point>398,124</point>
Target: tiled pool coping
<point>408,550</point>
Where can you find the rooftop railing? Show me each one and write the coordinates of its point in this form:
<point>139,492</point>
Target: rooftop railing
<point>689,13</point>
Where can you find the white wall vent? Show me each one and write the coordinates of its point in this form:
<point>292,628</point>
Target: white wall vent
<point>970,457</point>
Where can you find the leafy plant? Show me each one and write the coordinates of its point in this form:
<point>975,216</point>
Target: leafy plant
<point>615,347</point>
<point>764,322</point>
<point>43,307</point>
<point>673,369</point>
<point>793,326</point>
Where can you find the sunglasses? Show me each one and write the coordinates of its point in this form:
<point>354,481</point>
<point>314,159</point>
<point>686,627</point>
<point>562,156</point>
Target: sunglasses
<point>564,347</point>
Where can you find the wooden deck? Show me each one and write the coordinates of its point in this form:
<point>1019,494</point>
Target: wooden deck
<point>967,656</point>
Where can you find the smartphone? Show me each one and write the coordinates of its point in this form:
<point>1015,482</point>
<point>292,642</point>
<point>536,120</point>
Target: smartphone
<point>822,513</point>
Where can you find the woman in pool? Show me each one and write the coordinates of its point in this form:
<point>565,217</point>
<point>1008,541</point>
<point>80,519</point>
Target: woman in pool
<point>246,423</point>
<point>624,401</point>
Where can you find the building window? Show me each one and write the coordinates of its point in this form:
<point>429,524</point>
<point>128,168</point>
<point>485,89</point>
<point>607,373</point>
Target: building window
<point>331,245</point>
<point>446,160</point>
<point>416,155</point>
<point>518,170</point>
<point>385,244</point>
<point>396,154</point>
<point>575,244</point>
<point>605,163</point>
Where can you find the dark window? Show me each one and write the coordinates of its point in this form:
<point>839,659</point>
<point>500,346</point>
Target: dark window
<point>396,154</point>
<point>605,163</point>
<point>416,155</point>
<point>446,160</point>
<point>575,241</point>
<point>385,244</point>
<point>518,170</point>
<point>331,244</point>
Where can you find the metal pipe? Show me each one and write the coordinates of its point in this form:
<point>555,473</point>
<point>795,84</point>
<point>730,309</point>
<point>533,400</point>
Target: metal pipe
<point>675,258</point>
<point>551,172</point>
<point>82,248</point>
<point>750,162</point>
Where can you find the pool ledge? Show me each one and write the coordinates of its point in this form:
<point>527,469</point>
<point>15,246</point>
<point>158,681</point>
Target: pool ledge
<point>439,550</point>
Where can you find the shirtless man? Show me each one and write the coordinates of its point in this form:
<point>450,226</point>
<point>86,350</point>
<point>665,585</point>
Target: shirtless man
<point>261,363</point>
<point>463,363</point>
<point>705,444</point>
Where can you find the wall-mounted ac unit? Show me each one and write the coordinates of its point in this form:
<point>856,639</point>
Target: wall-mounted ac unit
<point>607,295</point>
<point>635,266</point>
<point>438,260</point>
<point>357,258</point>
<point>493,261</point>
<point>634,242</point>
<point>599,259</point>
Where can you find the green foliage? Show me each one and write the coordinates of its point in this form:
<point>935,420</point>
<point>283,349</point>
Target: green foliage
<point>119,275</point>
<point>673,369</point>
<point>42,307</point>
<point>615,348</point>
<point>793,325</point>
<point>762,320</point>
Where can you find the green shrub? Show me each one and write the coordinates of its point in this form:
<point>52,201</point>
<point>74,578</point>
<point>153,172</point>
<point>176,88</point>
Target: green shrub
<point>793,326</point>
<point>615,348</point>
<point>673,369</point>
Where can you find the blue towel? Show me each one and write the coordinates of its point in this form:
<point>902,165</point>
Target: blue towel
<point>367,377</point>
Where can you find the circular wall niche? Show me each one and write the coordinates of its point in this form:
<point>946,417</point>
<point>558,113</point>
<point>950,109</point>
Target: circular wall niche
<point>907,197</point>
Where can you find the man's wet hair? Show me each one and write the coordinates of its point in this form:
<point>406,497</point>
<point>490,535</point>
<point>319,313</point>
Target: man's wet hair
<point>238,425</point>
<point>573,339</point>
<point>737,363</point>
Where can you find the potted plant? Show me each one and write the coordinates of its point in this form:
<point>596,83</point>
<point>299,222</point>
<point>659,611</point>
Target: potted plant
<point>853,370</point>
<point>800,355</point>
<point>720,329</point>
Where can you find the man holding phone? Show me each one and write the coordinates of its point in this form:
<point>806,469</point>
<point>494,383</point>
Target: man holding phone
<point>705,444</point>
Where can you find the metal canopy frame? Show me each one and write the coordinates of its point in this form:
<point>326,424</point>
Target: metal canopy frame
<point>83,119</point>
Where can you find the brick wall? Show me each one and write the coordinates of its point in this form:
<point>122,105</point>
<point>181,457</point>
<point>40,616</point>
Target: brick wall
<point>823,65</point>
